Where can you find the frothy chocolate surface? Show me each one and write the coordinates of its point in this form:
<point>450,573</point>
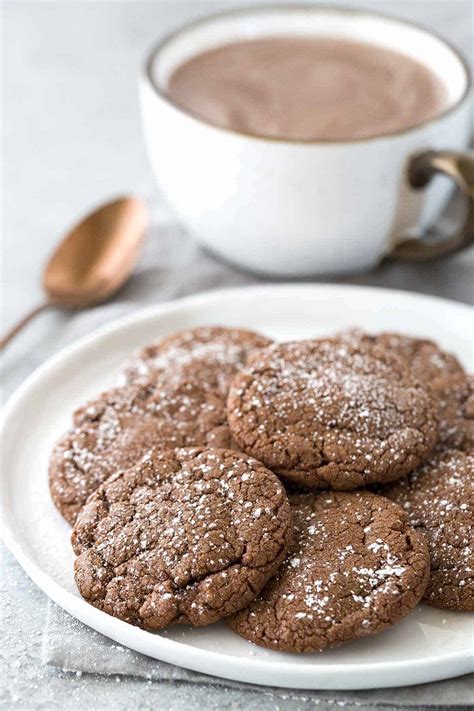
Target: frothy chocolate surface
<point>308,88</point>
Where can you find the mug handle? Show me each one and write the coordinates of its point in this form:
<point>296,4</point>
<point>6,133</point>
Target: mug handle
<point>460,168</point>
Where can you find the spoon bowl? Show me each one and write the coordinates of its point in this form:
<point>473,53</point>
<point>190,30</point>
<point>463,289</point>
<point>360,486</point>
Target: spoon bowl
<point>98,255</point>
<point>94,259</point>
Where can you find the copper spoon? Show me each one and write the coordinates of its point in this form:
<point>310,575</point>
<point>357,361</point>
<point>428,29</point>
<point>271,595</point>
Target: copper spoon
<point>94,259</point>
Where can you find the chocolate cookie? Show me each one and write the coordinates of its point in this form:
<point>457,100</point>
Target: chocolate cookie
<point>427,361</point>
<point>185,536</point>
<point>439,501</point>
<point>456,413</point>
<point>330,413</point>
<point>209,355</point>
<point>115,430</point>
<point>442,374</point>
<point>354,567</point>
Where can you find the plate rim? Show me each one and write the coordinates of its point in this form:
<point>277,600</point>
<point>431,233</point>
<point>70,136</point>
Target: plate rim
<point>216,663</point>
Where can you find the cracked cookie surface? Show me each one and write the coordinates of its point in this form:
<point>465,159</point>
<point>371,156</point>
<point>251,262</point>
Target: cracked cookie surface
<point>439,501</point>
<point>442,373</point>
<point>330,413</point>
<point>427,361</point>
<point>354,568</point>
<point>185,536</point>
<point>456,413</point>
<point>209,355</point>
<point>115,430</point>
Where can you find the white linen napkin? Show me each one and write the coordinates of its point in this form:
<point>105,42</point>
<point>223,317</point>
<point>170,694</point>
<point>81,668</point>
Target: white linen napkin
<point>72,646</point>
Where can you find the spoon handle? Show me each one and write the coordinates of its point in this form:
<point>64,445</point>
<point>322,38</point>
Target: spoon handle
<point>26,319</point>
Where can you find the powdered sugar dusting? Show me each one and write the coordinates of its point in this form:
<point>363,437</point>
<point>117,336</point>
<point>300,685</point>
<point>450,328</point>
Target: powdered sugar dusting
<point>115,431</point>
<point>351,564</point>
<point>439,500</point>
<point>212,355</point>
<point>328,412</point>
<point>181,538</point>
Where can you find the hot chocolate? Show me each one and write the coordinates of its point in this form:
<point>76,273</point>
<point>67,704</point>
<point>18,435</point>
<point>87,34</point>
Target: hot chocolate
<point>308,88</point>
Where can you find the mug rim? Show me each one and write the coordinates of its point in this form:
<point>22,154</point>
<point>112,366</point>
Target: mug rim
<point>161,44</point>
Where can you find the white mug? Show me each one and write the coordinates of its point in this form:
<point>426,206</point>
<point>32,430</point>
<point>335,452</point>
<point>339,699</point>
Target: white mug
<point>298,208</point>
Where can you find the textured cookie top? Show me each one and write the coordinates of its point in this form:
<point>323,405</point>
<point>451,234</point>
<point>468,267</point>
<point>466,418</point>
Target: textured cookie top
<point>439,500</point>
<point>354,568</point>
<point>455,399</point>
<point>428,362</point>
<point>186,536</point>
<point>210,355</point>
<point>442,373</point>
<point>332,413</point>
<point>115,430</point>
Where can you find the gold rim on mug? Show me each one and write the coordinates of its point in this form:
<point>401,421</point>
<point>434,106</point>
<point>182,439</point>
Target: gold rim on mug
<point>298,7</point>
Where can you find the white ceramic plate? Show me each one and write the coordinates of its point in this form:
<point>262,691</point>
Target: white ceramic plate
<point>429,645</point>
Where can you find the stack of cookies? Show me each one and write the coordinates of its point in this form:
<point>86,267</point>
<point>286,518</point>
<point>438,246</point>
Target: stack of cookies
<point>311,492</point>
